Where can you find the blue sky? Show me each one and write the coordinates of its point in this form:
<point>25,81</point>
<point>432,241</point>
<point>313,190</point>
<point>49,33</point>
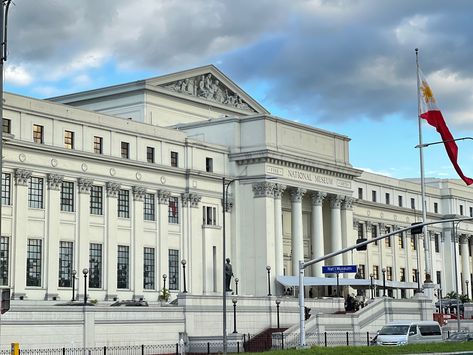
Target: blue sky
<point>344,66</point>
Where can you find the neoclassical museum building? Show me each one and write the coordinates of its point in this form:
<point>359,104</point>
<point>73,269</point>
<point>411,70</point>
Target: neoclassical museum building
<point>127,182</point>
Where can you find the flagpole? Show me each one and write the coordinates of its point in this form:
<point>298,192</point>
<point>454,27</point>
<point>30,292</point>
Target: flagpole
<point>422,178</point>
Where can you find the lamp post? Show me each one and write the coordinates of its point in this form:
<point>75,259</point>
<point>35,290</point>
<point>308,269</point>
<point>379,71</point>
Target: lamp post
<point>234,300</point>
<point>74,273</point>
<point>455,227</point>
<point>278,302</point>
<point>467,291</point>
<point>236,285</point>
<point>164,281</point>
<point>85,271</point>
<point>384,281</point>
<point>183,262</point>
<point>371,286</point>
<point>268,268</point>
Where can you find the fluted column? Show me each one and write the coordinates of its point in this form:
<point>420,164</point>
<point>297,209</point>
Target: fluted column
<point>317,232</point>
<point>465,262</point>
<point>296,229</point>
<point>192,243</point>
<point>111,247</point>
<point>279,250</point>
<point>336,224</point>
<point>137,244</point>
<point>347,235</point>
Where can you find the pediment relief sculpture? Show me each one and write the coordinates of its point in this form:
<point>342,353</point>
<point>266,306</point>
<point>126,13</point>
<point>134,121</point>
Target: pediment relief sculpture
<point>210,88</point>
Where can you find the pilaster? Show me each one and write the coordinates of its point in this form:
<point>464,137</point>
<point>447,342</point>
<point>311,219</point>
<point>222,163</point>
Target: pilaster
<point>336,235</point>
<point>111,247</point>
<point>137,243</point>
<point>163,208</point>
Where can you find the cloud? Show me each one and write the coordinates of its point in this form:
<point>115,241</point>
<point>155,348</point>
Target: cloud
<point>17,75</point>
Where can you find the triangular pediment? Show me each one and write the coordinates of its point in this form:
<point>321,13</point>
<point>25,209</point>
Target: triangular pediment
<point>210,85</point>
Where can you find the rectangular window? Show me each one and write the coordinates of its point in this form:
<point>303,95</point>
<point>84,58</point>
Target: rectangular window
<point>209,165</point>
<point>4,260</point>
<point>148,269</point>
<point>38,134</point>
<point>387,240</point>
<point>361,230</point>
<point>33,262</point>
<point>389,273</point>
<point>173,269</point>
<point>374,233</point>
<point>67,196</point>
<point>437,243</point>
<point>401,240</point>
<point>439,277</point>
<point>68,139</point>
<point>150,154</point>
<point>123,260</point>
<point>388,198</point>
<point>436,208</point>
<point>174,159</point>
<point>376,272</point>
<point>6,125</point>
<point>399,200</point>
<point>360,193</point>
<point>173,210</point>
<point>125,150</point>
<point>66,250</point>
<point>362,271</point>
<point>461,210</point>
<point>35,192</point>
<point>209,215</point>
<point>95,265</point>
<point>124,203</point>
<point>98,145</point>
<point>414,275</point>
<point>373,196</point>
<point>471,211</point>
<point>413,242</point>
<point>402,274</point>
<point>96,200</point>
<point>149,207</point>
<point>413,203</point>
<point>6,189</point>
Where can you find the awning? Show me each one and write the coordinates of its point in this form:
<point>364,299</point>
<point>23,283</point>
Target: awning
<point>293,281</point>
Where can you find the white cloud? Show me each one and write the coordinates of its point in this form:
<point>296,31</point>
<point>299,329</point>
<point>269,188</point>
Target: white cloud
<point>17,75</point>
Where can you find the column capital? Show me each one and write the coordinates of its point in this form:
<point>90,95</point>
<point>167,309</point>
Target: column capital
<point>369,224</point>
<point>278,190</point>
<point>192,198</point>
<point>22,176</point>
<point>55,181</point>
<point>347,203</point>
<point>84,185</point>
<point>263,189</point>
<point>112,189</point>
<point>163,197</point>
<point>138,193</point>
<point>464,239</point>
<point>355,223</point>
<point>318,198</point>
<point>335,201</point>
<point>297,194</point>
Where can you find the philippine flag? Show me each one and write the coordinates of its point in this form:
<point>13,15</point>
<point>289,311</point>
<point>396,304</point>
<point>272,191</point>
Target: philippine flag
<point>431,113</point>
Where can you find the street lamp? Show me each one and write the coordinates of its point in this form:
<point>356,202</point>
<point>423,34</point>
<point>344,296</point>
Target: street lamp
<point>236,285</point>
<point>164,281</point>
<point>371,286</point>
<point>74,273</point>
<point>384,281</point>
<point>268,268</point>
<point>278,302</point>
<point>183,262</point>
<point>85,271</point>
<point>467,291</point>
<point>234,300</point>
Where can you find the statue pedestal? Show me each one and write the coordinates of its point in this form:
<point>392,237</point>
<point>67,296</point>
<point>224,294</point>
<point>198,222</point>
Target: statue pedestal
<point>429,288</point>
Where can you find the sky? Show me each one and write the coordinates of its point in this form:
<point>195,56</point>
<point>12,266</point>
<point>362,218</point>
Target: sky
<point>343,66</point>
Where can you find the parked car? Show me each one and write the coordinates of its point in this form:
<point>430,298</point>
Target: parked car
<point>409,332</point>
<point>460,337</point>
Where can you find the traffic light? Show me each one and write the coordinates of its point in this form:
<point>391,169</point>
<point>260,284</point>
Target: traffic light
<point>306,313</point>
<point>5,303</point>
<point>416,230</point>
<point>363,247</point>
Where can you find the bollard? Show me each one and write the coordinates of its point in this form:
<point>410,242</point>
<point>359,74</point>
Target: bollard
<point>238,347</point>
<point>104,350</point>
<point>347,340</point>
<point>63,351</point>
<point>368,338</point>
<point>142,349</point>
<point>208,347</point>
<point>325,336</point>
<point>177,348</point>
<point>282,341</point>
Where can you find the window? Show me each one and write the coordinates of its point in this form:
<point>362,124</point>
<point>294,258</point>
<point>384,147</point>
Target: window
<point>387,240</point>
<point>471,211</point>
<point>401,240</point>
<point>413,242</point>
<point>4,258</point>
<point>461,210</point>
<point>373,196</point>
<point>209,165</point>
<point>67,196</point>
<point>362,271</point>
<point>414,275</point>
<point>209,215</point>
<point>6,125</point>
<point>389,273</point>
<point>35,192</point>
<point>388,197</point>
<point>399,200</point>
<point>376,272</point>
<point>124,203</point>
<point>174,159</point>
<point>65,264</point>
<point>437,243</point>
<point>173,210</point>
<point>173,269</point>
<point>149,207</point>
<point>96,200</point>
<point>360,193</point>
<point>436,208</point>
<point>95,265</point>
<point>374,232</point>
<point>439,277</point>
<point>6,188</point>
<point>402,274</point>
<point>33,262</point>
<point>68,139</point>
<point>38,134</point>
<point>125,150</point>
<point>413,203</point>
<point>122,266</point>
<point>98,145</point>
<point>150,154</point>
<point>148,269</point>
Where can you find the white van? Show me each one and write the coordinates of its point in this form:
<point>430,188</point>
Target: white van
<point>409,332</point>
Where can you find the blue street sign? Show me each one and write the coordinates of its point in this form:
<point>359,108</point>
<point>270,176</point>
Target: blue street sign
<point>339,269</point>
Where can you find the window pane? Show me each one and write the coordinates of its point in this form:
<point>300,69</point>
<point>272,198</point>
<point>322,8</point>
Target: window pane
<point>173,211</point>
<point>96,198</point>
<point>33,263</point>
<point>148,267</point>
<point>6,125</point>
<point>65,264</point>
<point>122,266</point>
<point>98,148</point>
<point>4,258</point>
<point>149,207</point>
<point>35,192</point>
<point>95,265</point>
<point>37,133</point>
<point>68,140</point>
<point>173,269</point>
<point>125,150</point>
<point>150,154</point>
<point>174,159</point>
<point>6,188</point>
<point>67,196</point>
<point>124,203</point>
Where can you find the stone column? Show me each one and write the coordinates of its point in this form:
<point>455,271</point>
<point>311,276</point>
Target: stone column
<point>465,263</point>
<point>192,243</point>
<point>296,229</point>
<point>51,243</point>
<point>348,237</point>
<point>317,232</point>
<point>20,239</point>
<point>111,247</point>
<point>162,213</point>
<point>137,244</point>
<point>449,260</point>
<point>433,266</point>
<point>279,250</point>
<point>82,242</point>
<point>336,224</point>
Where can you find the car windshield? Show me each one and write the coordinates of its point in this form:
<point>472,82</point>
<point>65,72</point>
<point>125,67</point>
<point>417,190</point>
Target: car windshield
<point>394,330</point>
